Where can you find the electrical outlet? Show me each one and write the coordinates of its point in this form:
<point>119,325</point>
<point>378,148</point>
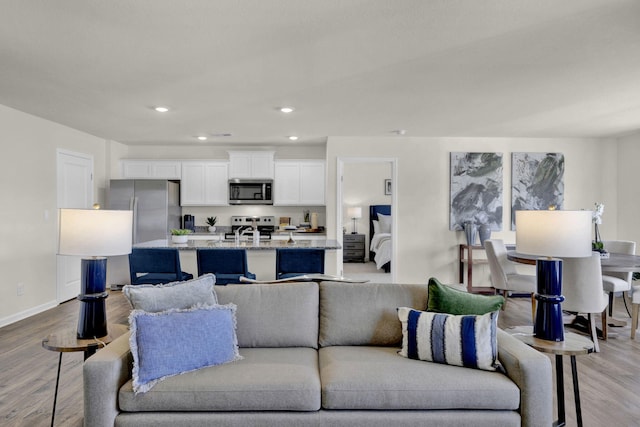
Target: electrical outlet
<point>20,289</point>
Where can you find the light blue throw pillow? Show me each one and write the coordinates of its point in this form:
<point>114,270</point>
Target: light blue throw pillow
<point>176,341</point>
<point>460,340</point>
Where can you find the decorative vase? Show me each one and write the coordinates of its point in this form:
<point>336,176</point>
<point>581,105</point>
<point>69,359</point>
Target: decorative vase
<point>470,232</point>
<point>183,238</point>
<point>484,233</point>
<point>212,229</point>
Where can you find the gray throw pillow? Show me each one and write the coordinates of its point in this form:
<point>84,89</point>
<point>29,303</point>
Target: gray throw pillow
<point>174,295</point>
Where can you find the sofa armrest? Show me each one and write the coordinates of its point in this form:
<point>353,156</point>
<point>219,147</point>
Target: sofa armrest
<point>531,371</point>
<point>103,375</point>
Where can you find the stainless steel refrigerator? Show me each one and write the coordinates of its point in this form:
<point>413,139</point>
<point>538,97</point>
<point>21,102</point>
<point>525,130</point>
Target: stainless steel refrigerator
<point>155,205</point>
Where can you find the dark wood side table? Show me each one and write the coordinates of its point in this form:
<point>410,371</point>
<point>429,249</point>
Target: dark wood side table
<point>573,345</point>
<point>353,250</point>
<point>66,340</point>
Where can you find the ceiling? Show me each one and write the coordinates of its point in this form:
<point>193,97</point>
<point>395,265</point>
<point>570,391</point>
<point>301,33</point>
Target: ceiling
<point>490,68</point>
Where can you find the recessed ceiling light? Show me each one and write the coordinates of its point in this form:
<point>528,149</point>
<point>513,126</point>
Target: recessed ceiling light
<point>286,109</point>
<point>293,138</point>
<point>399,131</point>
<point>161,109</point>
<point>202,138</point>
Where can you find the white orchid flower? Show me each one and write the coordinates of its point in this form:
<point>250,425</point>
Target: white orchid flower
<point>597,213</point>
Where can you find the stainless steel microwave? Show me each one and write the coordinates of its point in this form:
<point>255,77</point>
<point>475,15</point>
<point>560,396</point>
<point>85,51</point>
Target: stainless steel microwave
<point>250,191</point>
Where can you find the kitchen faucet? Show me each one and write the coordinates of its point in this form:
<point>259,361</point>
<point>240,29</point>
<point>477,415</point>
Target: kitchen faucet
<point>239,234</point>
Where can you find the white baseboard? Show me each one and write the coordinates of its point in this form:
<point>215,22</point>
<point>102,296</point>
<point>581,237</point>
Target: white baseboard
<point>27,313</point>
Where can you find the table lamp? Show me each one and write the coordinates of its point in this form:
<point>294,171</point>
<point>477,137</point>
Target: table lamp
<point>94,234</point>
<point>354,213</point>
<point>552,234</point>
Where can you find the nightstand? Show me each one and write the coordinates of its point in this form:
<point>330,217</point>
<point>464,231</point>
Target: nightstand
<point>353,248</point>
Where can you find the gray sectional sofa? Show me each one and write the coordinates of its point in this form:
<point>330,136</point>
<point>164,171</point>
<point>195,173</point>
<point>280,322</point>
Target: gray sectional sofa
<point>323,355</point>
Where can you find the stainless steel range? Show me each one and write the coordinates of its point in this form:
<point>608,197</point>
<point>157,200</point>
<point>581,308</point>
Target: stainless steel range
<point>265,224</point>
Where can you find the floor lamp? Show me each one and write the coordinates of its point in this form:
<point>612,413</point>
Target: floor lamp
<point>94,234</point>
<point>552,234</point>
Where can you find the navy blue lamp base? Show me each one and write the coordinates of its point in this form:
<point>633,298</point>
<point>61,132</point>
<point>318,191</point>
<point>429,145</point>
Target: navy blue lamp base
<point>92,322</point>
<point>549,325</point>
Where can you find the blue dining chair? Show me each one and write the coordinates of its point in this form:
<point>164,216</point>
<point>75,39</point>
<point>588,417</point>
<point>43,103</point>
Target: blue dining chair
<point>228,265</point>
<point>156,266</point>
<point>297,262</point>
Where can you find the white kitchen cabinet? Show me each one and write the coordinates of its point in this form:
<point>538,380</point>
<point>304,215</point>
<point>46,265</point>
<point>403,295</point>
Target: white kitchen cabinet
<point>312,183</point>
<point>299,183</point>
<point>151,169</point>
<point>204,183</point>
<point>286,183</point>
<point>251,164</point>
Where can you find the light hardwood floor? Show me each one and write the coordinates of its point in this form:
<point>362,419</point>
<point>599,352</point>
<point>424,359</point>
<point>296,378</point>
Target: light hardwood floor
<point>609,381</point>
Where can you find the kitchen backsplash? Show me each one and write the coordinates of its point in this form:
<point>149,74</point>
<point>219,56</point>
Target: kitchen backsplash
<point>224,213</point>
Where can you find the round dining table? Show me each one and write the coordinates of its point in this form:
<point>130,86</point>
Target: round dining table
<point>614,263</point>
<point>618,263</point>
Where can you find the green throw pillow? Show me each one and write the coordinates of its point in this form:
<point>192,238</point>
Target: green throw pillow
<point>445,299</point>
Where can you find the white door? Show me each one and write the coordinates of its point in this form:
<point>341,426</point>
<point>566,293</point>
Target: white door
<point>75,190</point>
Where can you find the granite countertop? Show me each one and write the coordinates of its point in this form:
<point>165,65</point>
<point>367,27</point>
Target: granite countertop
<point>300,231</point>
<point>225,244</point>
<point>274,233</point>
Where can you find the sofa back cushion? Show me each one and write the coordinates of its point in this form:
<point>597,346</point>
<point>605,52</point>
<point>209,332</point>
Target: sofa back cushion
<point>365,313</point>
<point>274,315</point>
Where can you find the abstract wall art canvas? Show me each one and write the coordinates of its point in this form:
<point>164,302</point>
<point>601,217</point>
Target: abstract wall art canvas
<point>476,190</point>
<point>537,182</point>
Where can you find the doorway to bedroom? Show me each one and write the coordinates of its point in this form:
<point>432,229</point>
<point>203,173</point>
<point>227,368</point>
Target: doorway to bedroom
<point>365,204</point>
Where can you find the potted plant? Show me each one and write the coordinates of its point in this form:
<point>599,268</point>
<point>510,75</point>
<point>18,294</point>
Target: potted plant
<point>180,235</point>
<point>211,222</point>
<point>597,245</point>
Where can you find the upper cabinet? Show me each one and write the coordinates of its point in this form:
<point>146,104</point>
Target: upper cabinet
<point>299,183</point>
<point>251,164</point>
<point>151,169</point>
<point>204,183</point>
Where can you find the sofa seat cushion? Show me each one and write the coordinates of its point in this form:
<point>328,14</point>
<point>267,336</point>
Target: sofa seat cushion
<point>267,379</point>
<point>364,377</point>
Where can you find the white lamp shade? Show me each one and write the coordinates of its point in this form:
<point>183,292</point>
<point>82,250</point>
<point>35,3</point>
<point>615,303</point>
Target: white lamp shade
<point>562,234</point>
<point>93,232</point>
<point>354,212</point>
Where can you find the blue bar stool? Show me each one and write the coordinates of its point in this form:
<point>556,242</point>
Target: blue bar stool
<point>228,265</point>
<point>297,262</point>
<point>156,266</point>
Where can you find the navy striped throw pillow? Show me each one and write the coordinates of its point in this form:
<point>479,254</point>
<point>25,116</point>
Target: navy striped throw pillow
<point>460,340</point>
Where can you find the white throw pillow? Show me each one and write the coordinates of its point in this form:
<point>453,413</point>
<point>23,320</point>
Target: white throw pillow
<point>376,227</point>
<point>385,223</point>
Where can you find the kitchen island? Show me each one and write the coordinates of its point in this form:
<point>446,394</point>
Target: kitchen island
<point>261,257</point>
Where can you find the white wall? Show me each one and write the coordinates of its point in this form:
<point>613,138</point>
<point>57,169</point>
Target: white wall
<point>629,191</point>
<point>426,247</point>
<point>220,152</point>
<point>28,217</point>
